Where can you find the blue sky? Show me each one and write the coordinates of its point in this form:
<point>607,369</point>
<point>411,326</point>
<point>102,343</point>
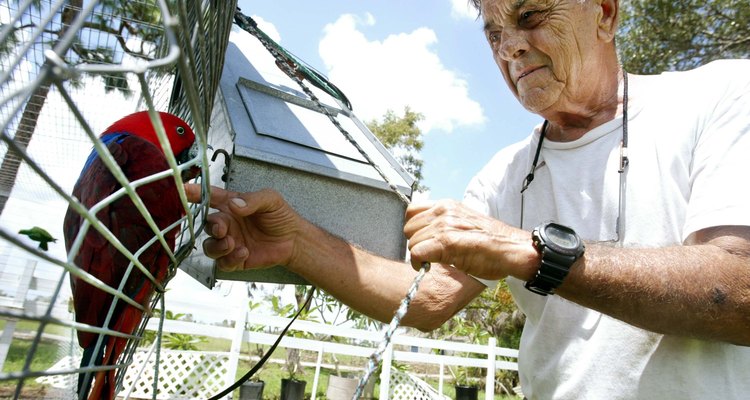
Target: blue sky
<point>431,56</point>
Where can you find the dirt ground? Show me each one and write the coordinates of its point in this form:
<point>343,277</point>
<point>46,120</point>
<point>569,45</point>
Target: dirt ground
<point>36,393</point>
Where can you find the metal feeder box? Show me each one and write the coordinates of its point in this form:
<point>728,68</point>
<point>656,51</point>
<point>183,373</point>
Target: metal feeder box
<point>272,135</point>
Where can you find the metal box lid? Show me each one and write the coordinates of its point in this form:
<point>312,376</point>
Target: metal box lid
<point>278,123</point>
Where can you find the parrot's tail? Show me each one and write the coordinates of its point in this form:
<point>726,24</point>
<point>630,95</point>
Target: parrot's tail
<point>105,384</point>
<point>84,378</point>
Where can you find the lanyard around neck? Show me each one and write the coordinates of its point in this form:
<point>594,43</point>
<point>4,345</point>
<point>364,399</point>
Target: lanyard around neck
<point>624,161</point>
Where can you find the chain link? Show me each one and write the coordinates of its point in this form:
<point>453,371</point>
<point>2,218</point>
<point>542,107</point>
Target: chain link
<point>286,65</point>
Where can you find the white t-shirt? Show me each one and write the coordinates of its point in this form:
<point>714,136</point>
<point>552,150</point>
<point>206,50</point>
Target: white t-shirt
<point>689,151</point>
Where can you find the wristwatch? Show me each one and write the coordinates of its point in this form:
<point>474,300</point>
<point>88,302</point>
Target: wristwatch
<point>560,247</point>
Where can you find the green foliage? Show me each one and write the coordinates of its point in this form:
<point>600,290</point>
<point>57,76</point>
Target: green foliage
<point>467,376</point>
<point>181,341</point>
<point>306,312</point>
<point>492,314</point>
<point>115,28</point>
<point>401,135</point>
<point>660,35</point>
<point>174,341</point>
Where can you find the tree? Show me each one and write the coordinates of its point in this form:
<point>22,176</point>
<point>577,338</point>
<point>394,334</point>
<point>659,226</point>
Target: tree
<point>402,136</point>
<point>660,35</point>
<point>492,313</point>
<point>121,20</point>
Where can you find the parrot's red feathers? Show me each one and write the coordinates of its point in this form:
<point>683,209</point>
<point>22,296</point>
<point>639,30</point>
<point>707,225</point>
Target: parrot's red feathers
<point>139,155</point>
<point>181,137</point>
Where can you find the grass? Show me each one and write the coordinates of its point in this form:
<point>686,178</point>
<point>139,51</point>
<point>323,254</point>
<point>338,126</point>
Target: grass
<point>33,326</point>
<point>45,356</point>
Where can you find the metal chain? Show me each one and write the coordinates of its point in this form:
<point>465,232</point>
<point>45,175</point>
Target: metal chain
<point>285,65</point>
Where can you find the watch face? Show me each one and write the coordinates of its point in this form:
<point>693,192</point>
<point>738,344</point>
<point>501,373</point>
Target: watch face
<point>561,237</point>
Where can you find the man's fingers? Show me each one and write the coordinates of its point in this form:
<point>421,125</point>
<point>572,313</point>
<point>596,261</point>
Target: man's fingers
<point>418,208</point>
<point>217,225</point>
<point>193,192</point>
<point>244,204</point>
<point>216,248</point>
<point>219,197</point>
<point>233,261</point>
<point>239,204</point>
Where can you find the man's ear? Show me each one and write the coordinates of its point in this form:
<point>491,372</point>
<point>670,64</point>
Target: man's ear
<point>608,19</point>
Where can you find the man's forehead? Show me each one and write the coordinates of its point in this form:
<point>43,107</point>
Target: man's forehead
<point>502,6</point>
<point>495,11</point>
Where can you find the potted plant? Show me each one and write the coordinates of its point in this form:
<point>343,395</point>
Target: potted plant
<point>291,387</point>
<point>252,389</point>
<point>467,382</point>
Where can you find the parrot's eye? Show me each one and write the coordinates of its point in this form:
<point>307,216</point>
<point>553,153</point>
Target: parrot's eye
<point>180,130</point>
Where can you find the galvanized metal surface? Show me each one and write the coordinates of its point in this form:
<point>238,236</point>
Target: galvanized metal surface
<point>284,142</point>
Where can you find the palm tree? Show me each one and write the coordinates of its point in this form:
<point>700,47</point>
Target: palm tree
<point>121,20</point>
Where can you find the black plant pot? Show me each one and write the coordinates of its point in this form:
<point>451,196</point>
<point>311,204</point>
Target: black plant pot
<point>292,389</point>
<point>252,390</point>
<point>467,392</point>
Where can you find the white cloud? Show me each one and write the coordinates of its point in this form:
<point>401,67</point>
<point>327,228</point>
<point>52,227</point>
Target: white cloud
<point>461,9</point>
<point>268,28</point>
<point>249,44</point>
<point>403,69</point>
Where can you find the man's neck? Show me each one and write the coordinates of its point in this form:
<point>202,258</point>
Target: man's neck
<point>575,121</point>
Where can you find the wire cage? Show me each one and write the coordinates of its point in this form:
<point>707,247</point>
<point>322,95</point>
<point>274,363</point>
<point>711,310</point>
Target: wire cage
<point>68,69</point>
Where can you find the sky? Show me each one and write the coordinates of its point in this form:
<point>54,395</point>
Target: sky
<point>430,56</point>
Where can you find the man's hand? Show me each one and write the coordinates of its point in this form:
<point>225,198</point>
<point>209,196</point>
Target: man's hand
<point>249,230</point>
<point>450,233</point>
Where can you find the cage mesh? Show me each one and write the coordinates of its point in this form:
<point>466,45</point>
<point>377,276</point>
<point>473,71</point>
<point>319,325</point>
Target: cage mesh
<point>68,69</point>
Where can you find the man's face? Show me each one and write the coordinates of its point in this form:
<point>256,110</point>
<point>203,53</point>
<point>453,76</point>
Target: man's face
<point>546,49</point>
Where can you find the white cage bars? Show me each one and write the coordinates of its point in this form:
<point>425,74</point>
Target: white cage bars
<point>68,69</point>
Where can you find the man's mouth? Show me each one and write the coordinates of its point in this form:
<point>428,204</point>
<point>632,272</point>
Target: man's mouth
<point>527,73</point>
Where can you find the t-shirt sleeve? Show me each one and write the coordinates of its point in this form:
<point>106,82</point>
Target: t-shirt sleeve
<point>720,193</point>
<point>476,198</point>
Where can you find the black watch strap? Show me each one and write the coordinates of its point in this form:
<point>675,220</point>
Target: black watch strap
<point>552,271</point>
<point>555,264</point>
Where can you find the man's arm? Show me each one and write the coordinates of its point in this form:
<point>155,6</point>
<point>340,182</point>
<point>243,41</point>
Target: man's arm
<point>257,230</point>
<point>375,286</point>
<point>700,289</point>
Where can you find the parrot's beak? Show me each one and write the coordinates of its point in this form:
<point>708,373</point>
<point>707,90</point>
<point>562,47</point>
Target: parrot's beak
<point>186,155</point>
<point>191,173</point>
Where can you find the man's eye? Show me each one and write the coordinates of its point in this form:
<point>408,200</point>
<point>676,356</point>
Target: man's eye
<point>494,37</point>
<point>530,19</point>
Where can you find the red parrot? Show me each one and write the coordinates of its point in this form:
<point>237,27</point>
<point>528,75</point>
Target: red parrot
<point>133,143</point>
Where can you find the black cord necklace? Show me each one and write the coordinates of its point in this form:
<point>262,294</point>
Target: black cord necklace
<point>624,161</point>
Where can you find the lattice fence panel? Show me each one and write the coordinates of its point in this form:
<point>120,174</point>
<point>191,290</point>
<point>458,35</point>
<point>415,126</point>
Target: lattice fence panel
<point>405,386</point>
<point>182,375</point>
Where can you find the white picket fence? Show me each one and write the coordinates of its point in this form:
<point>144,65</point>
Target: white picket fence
<point>421,350</point>
<point>199,374</point>
<point>188,375</point>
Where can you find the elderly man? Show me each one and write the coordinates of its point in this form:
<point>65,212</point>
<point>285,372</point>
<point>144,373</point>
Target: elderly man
<point>618,224</point>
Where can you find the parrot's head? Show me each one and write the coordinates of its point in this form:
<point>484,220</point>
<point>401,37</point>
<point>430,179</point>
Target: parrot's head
<point>181,137</point>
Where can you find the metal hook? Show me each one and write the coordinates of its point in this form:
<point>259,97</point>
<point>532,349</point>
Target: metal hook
<point>227,162</point>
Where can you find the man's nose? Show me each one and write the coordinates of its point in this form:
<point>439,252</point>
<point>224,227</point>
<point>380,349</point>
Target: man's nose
<point>513,44</point>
